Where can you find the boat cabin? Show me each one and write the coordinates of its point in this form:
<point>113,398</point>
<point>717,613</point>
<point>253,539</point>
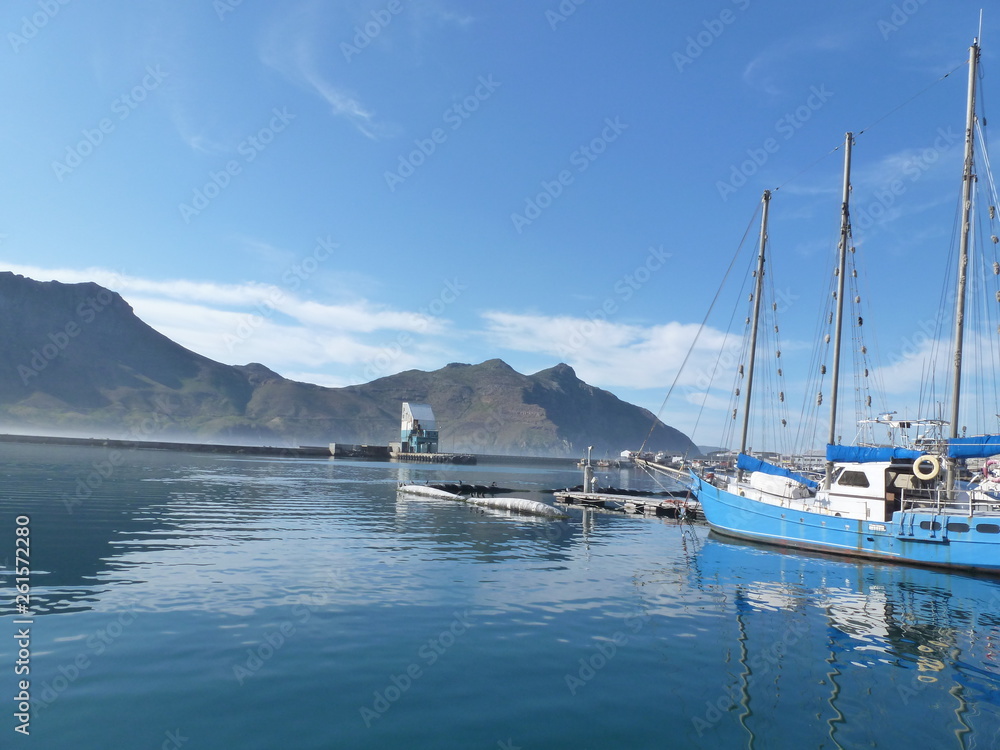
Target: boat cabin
<point>875,490</point>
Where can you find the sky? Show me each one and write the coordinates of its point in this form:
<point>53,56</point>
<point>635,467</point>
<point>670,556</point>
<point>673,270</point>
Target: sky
<point>346,189</point>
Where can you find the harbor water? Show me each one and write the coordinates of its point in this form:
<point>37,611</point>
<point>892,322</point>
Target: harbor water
<point>201,601</point>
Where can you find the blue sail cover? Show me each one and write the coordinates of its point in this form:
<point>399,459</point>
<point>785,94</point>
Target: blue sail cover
<point>862,455</point>
<point>978,446</point>
<point>749,463</point>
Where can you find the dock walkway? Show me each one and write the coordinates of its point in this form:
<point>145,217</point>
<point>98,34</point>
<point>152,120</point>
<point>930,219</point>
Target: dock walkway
<point>433,458</point>
<point>671,507</point>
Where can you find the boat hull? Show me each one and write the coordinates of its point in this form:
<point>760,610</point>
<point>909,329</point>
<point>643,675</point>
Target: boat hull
<point>923,538</point>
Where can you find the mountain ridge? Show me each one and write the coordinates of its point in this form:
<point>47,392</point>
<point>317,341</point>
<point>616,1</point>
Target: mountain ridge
<point>75,358</point>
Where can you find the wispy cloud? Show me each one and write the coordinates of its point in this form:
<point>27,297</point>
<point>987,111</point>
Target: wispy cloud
<point>770,70</point>
<point>250,321</point>
<point>294,47</point>
<point>611,354</point>
<point>342,103</point>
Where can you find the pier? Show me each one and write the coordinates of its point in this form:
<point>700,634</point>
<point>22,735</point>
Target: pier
<point>433,458</point>
<point>347,450</point>
<point>302,451</point>
<point>681,505</point>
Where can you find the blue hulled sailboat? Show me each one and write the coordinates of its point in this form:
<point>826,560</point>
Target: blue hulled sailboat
<point>914,500</point>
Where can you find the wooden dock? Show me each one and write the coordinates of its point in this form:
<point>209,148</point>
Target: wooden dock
<point>433,458</point>
<point>652,505</point>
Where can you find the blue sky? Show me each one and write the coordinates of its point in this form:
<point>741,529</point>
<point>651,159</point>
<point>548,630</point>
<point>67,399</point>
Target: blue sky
<point>344,190</point>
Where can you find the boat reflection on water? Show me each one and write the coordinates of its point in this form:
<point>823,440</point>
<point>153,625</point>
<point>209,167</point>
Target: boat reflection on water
<point>823,652</point>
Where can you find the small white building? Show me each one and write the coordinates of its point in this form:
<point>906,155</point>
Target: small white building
<point>418,431</point>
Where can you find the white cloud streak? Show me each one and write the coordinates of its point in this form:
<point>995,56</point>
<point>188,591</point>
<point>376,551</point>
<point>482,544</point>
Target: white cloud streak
<point>254,322</point>
<point>612,354</point>
<point>294,49</point>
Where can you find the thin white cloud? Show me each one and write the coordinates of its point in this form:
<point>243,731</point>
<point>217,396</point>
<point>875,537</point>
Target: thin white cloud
<point>342,103</point>
<point>771,68</point>
<point>354,340</point>
<point>295,49</point>
<point>268,299</point>
<point>239,337</point>
<point>611,354</point>
<point>316,378</point>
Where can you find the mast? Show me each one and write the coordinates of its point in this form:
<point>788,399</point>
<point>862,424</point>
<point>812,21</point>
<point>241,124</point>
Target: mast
<point>845,235</point>
<point>758,287</point>
<point>968,178</point>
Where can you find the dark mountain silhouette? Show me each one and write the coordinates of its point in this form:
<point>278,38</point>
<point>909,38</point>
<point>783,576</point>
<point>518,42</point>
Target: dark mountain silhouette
<point>75,359</point>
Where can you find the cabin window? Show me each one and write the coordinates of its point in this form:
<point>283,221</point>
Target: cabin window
<point>958,526</point>
<point>853,479</point>
<point>988,528</point>
<point>930,525</point>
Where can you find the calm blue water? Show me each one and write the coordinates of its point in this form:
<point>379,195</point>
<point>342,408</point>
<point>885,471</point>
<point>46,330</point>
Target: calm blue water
<point>205,602</point>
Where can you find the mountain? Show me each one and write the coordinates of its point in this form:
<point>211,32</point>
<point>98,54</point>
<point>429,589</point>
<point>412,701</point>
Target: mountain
<point>75,359</point>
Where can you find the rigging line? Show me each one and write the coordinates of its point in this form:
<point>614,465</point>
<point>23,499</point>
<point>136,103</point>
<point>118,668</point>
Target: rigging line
<point>701,328</point>
<point>729,426</point>
<point>985,156</point>
<point>809,423</point>
<point>808,167</point>
<point>869,127</point>
<point>919,93</point>
<point>656,479</point>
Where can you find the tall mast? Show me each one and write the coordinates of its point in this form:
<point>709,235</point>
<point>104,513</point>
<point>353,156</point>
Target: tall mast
<point>758,287</point>
<point>968,177</point>
<point>845,236</point>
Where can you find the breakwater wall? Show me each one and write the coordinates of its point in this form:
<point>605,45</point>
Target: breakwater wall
<point>303,451</point>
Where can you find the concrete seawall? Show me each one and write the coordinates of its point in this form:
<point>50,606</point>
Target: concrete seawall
<point>249,450</point>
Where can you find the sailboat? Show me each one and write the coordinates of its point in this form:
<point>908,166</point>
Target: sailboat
<point>898,502</point>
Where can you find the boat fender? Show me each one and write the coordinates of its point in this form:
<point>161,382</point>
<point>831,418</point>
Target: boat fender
<point>929,473</point>
<point>991,468</point>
